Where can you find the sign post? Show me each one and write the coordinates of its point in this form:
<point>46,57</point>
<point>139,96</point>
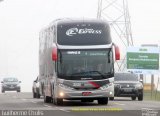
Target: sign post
<point>143,60</point>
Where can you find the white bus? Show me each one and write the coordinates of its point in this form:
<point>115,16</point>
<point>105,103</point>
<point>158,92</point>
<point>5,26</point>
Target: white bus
<point>76,61</point>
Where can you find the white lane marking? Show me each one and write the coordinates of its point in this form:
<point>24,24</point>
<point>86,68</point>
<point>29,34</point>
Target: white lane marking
<point>47,106</point>
<point>14,96</point>
<point>23,99</point>
<point>120,104</point>
<point>145,108</point>
<point>64,110</point>
<point>33,102</point>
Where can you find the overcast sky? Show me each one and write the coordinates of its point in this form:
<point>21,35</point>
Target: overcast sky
<point>21,21</point>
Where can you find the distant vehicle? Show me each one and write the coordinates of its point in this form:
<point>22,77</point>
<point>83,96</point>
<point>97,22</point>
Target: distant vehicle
<point>35,88</point>
<point>10,84</point>
<point>76,61</point>
<point>127,85</point>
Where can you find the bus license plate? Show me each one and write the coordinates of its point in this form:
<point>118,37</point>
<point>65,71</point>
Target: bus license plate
<point>86,93</point>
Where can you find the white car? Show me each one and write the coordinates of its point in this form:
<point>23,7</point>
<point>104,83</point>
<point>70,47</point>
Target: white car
<point>35,88</point>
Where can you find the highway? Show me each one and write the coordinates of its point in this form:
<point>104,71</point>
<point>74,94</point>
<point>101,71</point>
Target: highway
<point>12,101</point>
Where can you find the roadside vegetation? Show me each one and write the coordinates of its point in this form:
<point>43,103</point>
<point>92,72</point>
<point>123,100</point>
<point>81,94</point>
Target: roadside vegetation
<point>154,95</point>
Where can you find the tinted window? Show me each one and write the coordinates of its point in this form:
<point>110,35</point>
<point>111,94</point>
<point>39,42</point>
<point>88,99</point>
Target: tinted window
<point>125,77</point>
<point>83,34</point>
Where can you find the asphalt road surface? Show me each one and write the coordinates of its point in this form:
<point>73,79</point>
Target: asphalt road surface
<point>22,104</point>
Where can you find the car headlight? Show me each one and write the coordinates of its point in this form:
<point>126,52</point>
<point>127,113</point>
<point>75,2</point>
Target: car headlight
<point>139,86</point>
<point>65,86</point>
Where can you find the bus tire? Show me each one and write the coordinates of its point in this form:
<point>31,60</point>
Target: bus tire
<point>59,101</point>
<point>103,101</point>
<point>111,98</point>
<point>47,99</point>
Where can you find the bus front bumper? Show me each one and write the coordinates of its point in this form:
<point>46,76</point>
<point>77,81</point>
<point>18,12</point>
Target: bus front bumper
<point>81,94</point>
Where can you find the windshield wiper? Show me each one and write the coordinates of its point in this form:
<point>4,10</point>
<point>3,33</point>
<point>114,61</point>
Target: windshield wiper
<point>91,73</point>
<point>88,73</point>
<point>78,74</point>
<point>98,72</point>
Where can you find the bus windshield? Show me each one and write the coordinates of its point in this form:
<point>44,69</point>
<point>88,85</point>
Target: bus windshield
<point>85,64</point>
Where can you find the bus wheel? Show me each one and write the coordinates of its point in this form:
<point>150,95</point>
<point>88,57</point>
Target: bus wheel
<point>47,99</point>
<point>103,101</point>
<point>58,101</point>
<point>111,98</point>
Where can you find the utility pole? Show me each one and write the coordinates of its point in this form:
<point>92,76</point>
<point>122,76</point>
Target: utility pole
<point>116,13</point>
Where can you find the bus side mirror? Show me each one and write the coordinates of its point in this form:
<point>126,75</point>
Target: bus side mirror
<point>117,52</point>
<point>54,54</point>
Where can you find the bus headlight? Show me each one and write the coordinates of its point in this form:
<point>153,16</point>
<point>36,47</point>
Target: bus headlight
<point>61,94</point>
<point>110,92</point>
<point>104,87</point>
<point>65,86</point>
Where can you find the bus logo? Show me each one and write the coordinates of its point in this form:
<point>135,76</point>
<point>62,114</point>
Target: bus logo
<point>74,31</point>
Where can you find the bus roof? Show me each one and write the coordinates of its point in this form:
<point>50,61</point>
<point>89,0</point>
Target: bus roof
<point>81,21</point>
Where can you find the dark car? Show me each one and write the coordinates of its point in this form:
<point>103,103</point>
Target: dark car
<point>35,88</point>
<point>10,84</point>
<point>127,85</point>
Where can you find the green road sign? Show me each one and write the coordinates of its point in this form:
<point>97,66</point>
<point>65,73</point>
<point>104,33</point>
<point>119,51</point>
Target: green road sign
<point>141,59</point>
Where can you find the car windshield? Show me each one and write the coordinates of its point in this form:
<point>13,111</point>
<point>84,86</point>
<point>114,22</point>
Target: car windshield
<point>125,77</point>
<point>10,80</point>
<point>91,64</point>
